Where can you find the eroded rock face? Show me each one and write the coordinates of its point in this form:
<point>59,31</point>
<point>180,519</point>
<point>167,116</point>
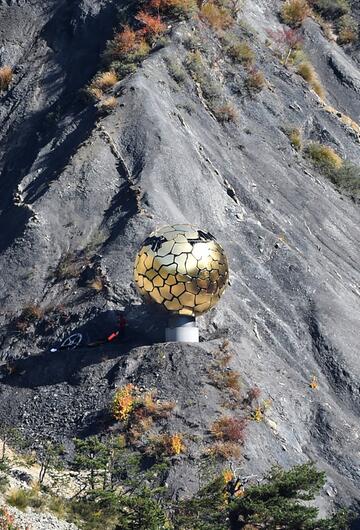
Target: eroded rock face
<point>82,190</point>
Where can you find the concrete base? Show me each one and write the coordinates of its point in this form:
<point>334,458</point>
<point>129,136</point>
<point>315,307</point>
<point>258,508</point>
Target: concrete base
<point>182,329</point>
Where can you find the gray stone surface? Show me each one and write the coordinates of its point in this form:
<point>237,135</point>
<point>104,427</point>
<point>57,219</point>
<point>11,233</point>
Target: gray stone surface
<point>32,520</point>
<point>74,181</point>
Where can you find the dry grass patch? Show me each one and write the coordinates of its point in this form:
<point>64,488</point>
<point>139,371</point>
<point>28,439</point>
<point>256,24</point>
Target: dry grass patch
<point>95,94</point>
<point>241,52</point>
<point>218,18</point>
<point>346,120</point>
<point>226,380</point>
<point>255,81</point>
<point>295,137</point>
<point>176,70</point>
<point>348,30</point>
<point>307,72</point>
<point>226,450</point>
<point>22,498</point>
<point>229,429</point>
<point>344,174</point>
<point>179,8</point>
<point>108,104</point>
<point>324,157</point>
<point>294,12</point>
<point>105,80</point>
<point>6,75</point>
<point>226,113</point>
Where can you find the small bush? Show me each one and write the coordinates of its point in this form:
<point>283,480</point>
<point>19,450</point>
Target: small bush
<point>218,18</point>
<point>222,355</point>
<point>294,12</point>
<point>32,313</point>
<point>107,104</point>
<point>125,42</point>
<point>21,498</point>
<point>6,75</point>
<point>314,383</point>
<point>345,175</point>
<point>226,113</point>
<point>229,429</point>
<point>258,414</point>
<point>307,72</point>
<point>326,26</point>
<point>294,135</point>
<point>347,179</point>
<point>331,9</point>
<point>156,409</point>
<point>255,81</point>
<point>165,444</point>
<point>129,46</point>
<point>94,94</point>
<point>348,30</point>
<point>29,315</point>
<point>139,409</point>
<point>124,68</point>
<point>253,394</point>
<point>195,66</point>
<point>176,70</point>
<point>324,157</point>
<point>175,444</point>
<point>123,402</point>
<point>226,379</point>
<point>105,80</point>
<point>289,42</point>
<point>225,450</point>
<point>241,52</point>
<point>98,283</point>
<point>177,8</point>
<point>318,88</point>
<point>154,27</point>
<point>234,6</point>
<point>58,506</point>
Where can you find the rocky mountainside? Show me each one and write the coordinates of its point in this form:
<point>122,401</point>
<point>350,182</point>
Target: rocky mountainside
<point>83,185</point>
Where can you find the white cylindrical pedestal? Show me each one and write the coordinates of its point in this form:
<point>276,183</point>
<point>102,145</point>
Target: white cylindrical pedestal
<point>182,329</point>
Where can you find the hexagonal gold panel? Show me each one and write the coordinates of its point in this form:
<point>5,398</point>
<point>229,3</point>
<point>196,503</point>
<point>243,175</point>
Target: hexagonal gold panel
<point>182,268</point>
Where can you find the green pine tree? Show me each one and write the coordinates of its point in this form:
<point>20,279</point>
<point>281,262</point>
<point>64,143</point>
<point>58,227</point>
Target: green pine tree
<point>278,504</point>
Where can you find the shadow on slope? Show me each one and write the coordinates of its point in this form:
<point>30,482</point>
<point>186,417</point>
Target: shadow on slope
<point>50,368</point>
<point>77,53</point>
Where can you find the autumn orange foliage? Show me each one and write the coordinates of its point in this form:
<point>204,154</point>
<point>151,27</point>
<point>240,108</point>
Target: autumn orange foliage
<point>124,402</point>
<point>153,25</point>
<point>6,75</point>
<point>126,40</point>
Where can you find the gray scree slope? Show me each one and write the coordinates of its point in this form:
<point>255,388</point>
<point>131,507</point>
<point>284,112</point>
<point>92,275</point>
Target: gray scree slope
<point>73,180</point>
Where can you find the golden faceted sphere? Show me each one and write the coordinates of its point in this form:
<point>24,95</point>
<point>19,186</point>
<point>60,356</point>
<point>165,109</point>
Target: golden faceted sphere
<point>182,268</point>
